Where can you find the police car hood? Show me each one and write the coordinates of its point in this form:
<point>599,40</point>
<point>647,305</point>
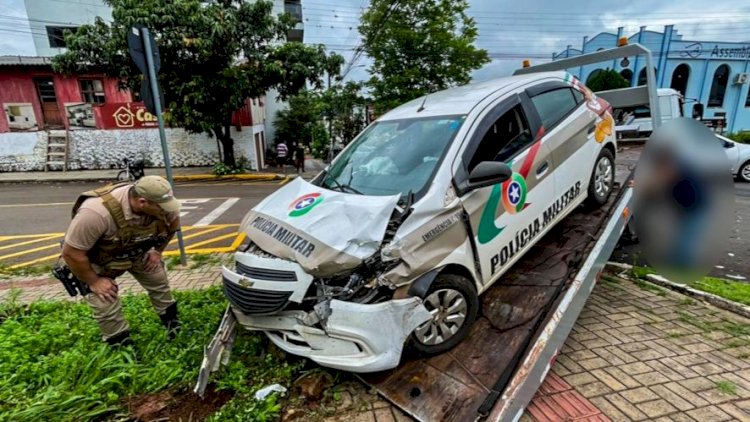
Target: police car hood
<point>326,232</point>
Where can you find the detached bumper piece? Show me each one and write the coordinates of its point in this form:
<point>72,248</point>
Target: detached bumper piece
<point>217,352</point>
<point>355,337</point>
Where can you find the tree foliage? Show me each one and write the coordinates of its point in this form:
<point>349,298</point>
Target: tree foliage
<point>315,117</point>
<point>214,56</point>
<point>606,79</point>
<point>418,47</point>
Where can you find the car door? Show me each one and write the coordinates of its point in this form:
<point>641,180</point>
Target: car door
<point>732,152</point>
<point>569,131</point>
<point>502,216</point>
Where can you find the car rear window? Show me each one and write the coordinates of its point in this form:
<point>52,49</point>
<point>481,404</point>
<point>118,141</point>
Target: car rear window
<point>553,106</point>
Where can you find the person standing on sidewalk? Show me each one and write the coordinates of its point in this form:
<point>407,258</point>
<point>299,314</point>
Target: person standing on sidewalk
<point>299,157</point>
<point>281,153</point>
<point>124,228</point>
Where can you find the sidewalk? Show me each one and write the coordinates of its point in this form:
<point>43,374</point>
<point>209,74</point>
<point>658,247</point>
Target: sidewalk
<point>635,353</point>
<point>180,174</point>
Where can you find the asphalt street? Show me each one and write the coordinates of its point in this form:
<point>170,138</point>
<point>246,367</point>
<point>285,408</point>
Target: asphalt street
<point>33,217</point>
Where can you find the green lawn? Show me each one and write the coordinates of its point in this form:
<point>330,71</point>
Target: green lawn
<point>54,367</point>
<point>736,291</point>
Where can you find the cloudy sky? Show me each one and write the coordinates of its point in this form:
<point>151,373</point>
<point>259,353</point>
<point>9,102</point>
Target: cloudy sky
<point>508,30</point>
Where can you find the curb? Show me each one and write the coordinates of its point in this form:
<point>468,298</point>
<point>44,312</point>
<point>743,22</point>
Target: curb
<point>717,301</point>
<point>183,178</point>
<point>256,176</point>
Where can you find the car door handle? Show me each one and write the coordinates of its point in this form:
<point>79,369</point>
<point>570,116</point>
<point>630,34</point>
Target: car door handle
<point>591,130</point>
<point>542,169</point>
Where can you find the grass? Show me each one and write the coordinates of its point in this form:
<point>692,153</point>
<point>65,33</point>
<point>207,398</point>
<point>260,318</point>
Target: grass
<point>7,272</point>
<point>728,289</point>
<point>54,366</point>
<point>197,260</point>
<point>726,387</point>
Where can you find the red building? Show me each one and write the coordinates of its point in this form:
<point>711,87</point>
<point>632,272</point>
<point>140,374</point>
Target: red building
<point>33,97</point>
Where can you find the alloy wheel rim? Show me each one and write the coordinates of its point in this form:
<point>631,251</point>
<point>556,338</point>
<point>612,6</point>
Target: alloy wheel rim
<point>448,309</point>
<point>603,177</point>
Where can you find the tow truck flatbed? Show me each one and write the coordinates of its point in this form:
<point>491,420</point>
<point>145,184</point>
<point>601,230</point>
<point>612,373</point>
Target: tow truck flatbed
<point>526,317</point>
<point>524,321</point>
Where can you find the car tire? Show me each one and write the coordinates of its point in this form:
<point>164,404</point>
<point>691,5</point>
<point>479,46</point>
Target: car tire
<point>743,174</point>
<point>602,180</point>
<point>453,301</point>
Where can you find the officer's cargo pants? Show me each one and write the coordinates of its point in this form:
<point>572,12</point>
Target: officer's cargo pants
<point>109,315</point>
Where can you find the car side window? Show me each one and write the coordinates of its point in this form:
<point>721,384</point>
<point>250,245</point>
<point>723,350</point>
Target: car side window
<point>508,136</point>
<point>554,105</point>
<point>578,95</point>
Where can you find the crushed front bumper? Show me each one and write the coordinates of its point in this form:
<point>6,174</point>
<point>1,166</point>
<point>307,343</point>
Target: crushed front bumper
<point>355,337</point>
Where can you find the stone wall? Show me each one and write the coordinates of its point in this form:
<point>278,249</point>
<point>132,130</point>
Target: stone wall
<point>104,149</point>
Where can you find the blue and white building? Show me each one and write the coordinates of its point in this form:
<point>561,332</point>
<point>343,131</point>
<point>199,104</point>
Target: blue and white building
<point>712,73</point>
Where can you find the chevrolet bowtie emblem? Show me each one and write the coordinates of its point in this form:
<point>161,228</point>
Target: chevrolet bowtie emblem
<point>246,283</point>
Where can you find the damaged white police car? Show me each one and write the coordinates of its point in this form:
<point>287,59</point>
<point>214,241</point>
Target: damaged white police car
<point>421,213</point>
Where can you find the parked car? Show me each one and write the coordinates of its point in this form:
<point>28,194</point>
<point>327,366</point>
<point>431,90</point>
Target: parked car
<point>635,122</point>
<point>422,212</point>
<point>739,157</point>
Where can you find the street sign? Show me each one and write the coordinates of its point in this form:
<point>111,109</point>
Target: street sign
<point>137,51</point>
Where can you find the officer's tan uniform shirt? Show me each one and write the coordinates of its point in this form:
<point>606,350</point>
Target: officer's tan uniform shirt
<point>93,221</point>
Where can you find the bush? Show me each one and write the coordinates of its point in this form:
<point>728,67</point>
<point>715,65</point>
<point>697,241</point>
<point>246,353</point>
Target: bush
<point>221,169</point>
<point>741,137</point>
<point>605,80</point>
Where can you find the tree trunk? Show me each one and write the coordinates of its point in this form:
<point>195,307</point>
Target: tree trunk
<point>227,143</point>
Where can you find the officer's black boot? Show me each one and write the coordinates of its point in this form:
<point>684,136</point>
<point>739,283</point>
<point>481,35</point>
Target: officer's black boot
<point>171,321</point>
<point>123,339</point>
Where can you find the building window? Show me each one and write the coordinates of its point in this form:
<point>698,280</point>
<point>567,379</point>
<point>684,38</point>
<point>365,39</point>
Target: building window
<point>92,91</point>
<point>642,78</point>
<point>680,78</point>
<point>294,8</point>
<point>719,86</point>
<point>56,35</point>
<point>627,74</point>
<point>747,99</point>
<point>592,75</point>
<point>295,35</point>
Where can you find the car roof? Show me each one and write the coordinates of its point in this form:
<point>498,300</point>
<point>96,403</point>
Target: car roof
<point>461,100</point>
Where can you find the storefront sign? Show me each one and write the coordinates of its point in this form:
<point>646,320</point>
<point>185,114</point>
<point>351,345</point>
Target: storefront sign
<point>708,50</point>
<point>124,116</point>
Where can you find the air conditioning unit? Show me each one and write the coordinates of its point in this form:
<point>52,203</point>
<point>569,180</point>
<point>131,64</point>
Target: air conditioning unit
<point>741,78</point>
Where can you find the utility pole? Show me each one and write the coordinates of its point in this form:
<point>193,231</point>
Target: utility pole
<point>146,38</point>
<point>330,121</point>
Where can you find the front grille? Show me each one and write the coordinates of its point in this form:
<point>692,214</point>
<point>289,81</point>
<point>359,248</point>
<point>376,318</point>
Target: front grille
<point>254,301</point>
<point>266,273</point>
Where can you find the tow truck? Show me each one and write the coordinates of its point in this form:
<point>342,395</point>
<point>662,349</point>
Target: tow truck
<point>526,317</point>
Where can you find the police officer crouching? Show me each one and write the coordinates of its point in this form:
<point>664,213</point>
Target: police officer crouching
<point>123,228</point>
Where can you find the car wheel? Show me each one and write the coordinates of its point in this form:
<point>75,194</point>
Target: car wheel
<point>122,176</point>
<point>452,300</point>
<point>744,173</point>
<point>602,179</point>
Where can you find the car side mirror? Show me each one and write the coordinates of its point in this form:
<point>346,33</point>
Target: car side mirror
<point>728,145</point>
<point>488,173</point>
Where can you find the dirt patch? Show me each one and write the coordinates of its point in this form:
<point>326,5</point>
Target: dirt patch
<point>179,406</point>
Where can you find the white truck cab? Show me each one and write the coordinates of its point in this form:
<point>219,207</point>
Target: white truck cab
<point>636,122</point>
<point>394,242</point>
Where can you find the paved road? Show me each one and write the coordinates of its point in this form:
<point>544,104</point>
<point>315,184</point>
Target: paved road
<point>34,216</point>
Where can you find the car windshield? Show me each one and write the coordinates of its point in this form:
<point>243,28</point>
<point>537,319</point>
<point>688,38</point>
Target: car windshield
<point>393,157</point>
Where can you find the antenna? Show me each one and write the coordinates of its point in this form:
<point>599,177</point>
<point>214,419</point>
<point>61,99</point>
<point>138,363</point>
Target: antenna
<point>421,107</point>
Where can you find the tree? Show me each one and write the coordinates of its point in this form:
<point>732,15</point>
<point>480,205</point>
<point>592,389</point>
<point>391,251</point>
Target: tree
<point>297,122</point>
<point>418,47</point>
<point>606,79</point>
<point>345,107</point>
<point>214,56</point>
